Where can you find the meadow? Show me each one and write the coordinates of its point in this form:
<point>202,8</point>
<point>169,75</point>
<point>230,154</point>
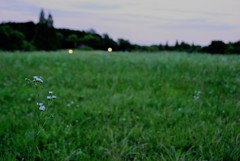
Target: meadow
<point>119,106</point>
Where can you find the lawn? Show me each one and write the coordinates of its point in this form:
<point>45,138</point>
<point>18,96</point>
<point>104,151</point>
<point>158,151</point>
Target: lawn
<point>119,106</point>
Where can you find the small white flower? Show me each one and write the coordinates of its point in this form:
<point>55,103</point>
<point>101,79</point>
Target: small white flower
<point>42,108</point>
<point>54,97</point>
<point>37,79</point>
<point>39,103</point>
<point>49,97</point>
<point>50,92</point>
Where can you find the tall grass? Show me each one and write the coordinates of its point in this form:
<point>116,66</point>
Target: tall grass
<point>122,106</point>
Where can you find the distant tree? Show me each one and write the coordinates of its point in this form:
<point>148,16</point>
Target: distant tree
<point>42,19</point>
<point>28,46</point>
<point>4,37</point>
<point>236,47</point>
<point>46,38</point>
<point>17,40</point>
<point>195,48</point>
<point>153,48</point>
<point>160,47</point>
<point>177,46</point>
<point>92,40</point>
<point>11,39</point>
<point>60,39</point>
<point>73,40</point>
<point>109,42</point>
<point>50,20</point>
<point>92,31</point>
<point>229,48</point>
<point>216,47</point>
<point>184,47</point>
<point>167,47</point>
<point>28,29</point>
<point>63,35</point>
<point>124,45</point>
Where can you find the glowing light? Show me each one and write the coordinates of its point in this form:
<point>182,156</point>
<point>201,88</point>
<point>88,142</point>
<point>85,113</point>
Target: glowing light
<point>109,50</point>
<point>70,51</point>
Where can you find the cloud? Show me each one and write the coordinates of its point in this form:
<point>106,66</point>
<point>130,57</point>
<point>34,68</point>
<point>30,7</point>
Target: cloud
<point>16,10</point>
<point>76,5</point>
<point>198,25</point>
<point>156,11</point>
<point>98,6</point>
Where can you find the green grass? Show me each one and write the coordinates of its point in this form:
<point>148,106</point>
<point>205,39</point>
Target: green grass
<point>121,106</point>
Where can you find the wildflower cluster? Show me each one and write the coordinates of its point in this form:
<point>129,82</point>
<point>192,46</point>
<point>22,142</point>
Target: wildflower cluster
<point>37,82</point>
<point>42,98</point>
<point>51,95</point>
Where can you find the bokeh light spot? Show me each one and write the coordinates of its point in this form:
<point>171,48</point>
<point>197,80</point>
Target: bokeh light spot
<point>109,50</point>
<point>70,51</point>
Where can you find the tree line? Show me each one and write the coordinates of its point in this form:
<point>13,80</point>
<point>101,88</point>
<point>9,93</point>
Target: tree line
<point>29,36</point>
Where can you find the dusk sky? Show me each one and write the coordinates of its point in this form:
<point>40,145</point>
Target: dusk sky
<point>140,21</point>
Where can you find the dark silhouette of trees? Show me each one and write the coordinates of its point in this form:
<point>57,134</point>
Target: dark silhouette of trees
<point>235,47</point>
<point>64,37</point>
<point>17,40</point>
<point>44,21</point>
<point>92,40</point>
<point>124,45</point>
<point>109,42</point>
<point>50,21</point>
<point>27,29</point>
<point>5,38</point>
<point>216,47</point>
<point>167,47</point>
<point>46,37</point>
<point>11,39</point>
<point>73,40</point>
<point>43,36</point>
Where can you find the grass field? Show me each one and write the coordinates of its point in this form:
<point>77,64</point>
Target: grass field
<point>119,106</point>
